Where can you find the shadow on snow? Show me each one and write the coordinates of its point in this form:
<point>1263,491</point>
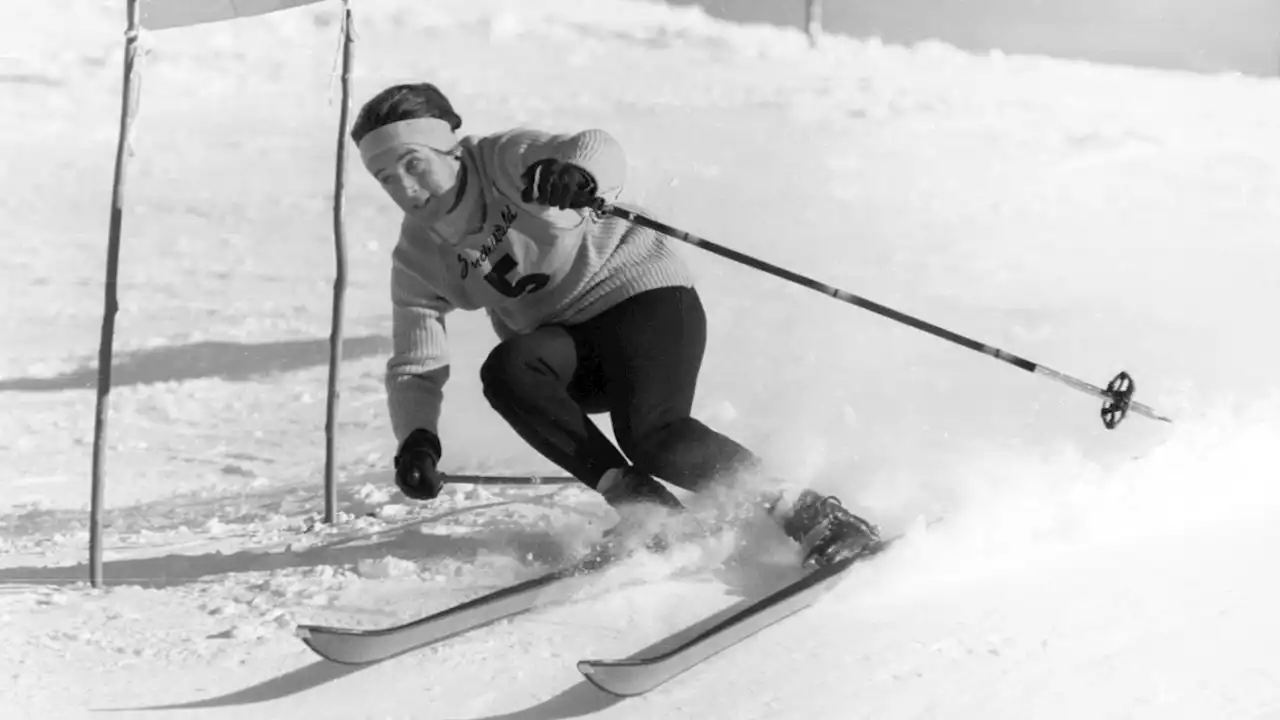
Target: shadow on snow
<point>578,700</point>
<point>211,359</point>
<point>344,546</point>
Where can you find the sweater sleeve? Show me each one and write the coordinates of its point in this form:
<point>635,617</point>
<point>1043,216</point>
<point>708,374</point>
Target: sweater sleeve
<point>419,365</point>
<point>595,151</point>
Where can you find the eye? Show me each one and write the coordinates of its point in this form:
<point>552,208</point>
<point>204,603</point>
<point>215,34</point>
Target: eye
<point>413,165</point>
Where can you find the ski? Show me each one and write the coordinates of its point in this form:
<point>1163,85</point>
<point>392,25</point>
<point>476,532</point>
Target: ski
<point>638,675</point>
<point>351,646</point>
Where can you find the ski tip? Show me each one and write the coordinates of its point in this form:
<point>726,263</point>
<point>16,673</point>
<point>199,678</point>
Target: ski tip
<point>597,673</point>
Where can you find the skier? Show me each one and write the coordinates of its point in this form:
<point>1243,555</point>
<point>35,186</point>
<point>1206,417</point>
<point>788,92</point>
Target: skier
<point>593,315</point>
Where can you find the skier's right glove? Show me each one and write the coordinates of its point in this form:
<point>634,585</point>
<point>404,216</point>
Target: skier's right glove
<point>558,184</point>
<point>416,472</point>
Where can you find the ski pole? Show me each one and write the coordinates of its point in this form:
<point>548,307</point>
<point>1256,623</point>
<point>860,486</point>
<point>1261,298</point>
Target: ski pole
<point>1118,394</point>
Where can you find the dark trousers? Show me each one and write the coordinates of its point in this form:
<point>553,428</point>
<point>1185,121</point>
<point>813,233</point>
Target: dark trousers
<point>639,361</point>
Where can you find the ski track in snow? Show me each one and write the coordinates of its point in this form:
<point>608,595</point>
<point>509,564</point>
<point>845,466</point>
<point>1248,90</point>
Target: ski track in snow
<point>1092,218</point>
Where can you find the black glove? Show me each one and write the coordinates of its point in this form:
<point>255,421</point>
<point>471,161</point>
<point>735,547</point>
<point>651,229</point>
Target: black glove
<point>559,184</point>
<point>416,473</point>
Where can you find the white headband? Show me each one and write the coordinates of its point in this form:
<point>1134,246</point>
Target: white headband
<point>432,133</point>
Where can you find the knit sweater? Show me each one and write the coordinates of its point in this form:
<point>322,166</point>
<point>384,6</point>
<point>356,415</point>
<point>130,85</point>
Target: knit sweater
<point>525,264</point>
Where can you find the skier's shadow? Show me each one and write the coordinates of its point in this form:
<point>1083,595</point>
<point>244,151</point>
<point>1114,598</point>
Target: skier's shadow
<point>577,701</point>
<point>291,683</point>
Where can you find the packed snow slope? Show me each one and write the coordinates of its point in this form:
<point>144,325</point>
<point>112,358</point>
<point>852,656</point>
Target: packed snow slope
<point>1092,219</point>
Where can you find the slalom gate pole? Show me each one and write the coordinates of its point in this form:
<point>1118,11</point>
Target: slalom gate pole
<point>111,305</point>
<point>1118,394</point>
<point>333,392</point>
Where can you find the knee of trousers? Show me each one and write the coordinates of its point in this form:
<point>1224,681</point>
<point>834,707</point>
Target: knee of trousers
<point>510,372</point>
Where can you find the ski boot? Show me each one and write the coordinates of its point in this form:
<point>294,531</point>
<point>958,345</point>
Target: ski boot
<point>644,507</point>
<point>826,531</point>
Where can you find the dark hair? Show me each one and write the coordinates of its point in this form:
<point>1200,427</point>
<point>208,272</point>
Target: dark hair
<point>403,102</point>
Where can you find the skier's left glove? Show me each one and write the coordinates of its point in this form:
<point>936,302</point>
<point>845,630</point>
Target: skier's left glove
<point>416,472</point>
<point>558,184</point>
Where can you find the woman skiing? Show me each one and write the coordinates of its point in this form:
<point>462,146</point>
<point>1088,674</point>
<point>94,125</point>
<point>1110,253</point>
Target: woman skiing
<point>593,315</point>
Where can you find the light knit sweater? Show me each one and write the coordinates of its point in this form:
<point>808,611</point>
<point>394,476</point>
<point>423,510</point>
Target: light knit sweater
<point>525,264</point>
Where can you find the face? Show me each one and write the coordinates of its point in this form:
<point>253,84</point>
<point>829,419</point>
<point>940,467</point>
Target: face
<point>420,180</point>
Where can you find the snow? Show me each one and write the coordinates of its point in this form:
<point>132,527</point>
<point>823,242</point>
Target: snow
<point>1090,218</point>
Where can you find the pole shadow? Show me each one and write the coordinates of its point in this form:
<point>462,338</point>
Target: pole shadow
<point>211,359</point>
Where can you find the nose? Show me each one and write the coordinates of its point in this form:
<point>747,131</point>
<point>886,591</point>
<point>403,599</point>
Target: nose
<point>409,189</point>
<point>406,185</point>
